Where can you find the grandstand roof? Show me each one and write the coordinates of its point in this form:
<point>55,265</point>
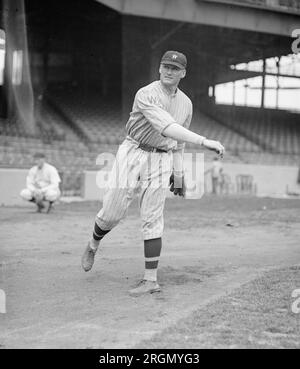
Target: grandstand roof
<point>248,15</point>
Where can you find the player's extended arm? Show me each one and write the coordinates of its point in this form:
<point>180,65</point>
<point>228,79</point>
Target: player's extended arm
<point>165,124</point>
<point>177,132</point>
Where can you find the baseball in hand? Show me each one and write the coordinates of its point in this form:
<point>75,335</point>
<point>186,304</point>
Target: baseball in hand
<point>214,146</point>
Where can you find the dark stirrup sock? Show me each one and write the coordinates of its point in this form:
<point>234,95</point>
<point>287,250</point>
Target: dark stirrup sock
<point>98,233</point>
<point>152,249</point>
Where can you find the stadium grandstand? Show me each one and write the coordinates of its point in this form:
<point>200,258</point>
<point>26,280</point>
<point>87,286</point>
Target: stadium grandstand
<point>68,83</point>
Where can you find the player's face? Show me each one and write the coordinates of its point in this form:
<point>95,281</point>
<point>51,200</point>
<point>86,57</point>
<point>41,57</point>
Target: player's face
<point>40,162</point>
<point>170,75</point>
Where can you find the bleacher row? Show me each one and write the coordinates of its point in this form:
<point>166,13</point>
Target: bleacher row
<point>244,134</point>
<point>102,123</point>
<point>271,130</point>
<point>275,131</point>
<point>210,128</point>
<point>71,158</point>
<point>52,126</point>
<point>100,120</point>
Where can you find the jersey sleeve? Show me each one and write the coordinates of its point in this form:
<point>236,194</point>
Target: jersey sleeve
<point>148,104</point>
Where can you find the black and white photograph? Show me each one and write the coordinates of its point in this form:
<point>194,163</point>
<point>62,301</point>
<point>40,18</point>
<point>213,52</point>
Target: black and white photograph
<point>149,177</point>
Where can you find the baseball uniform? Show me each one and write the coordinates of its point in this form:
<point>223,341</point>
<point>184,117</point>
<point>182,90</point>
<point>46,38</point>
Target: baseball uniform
<point>45,179</point>
<point>136,170</point>
<point>144,164</point>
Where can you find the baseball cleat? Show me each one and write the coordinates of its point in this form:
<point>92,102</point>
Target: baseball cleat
<point>49,207</point>
<point>144,287</point>
<point>87,260</point>
<point>40,206</point>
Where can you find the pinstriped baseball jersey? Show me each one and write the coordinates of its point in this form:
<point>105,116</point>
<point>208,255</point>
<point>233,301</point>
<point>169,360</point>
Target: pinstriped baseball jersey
<point>154,109</point>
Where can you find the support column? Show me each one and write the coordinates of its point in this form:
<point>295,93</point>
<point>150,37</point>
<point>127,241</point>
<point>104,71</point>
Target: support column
<point>263,87</point>
<point>277,80</point>
<point>233,93</point>
<point>21,98</point>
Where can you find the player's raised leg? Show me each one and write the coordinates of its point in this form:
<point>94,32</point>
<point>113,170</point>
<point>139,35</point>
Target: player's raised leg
<point>122,183</point>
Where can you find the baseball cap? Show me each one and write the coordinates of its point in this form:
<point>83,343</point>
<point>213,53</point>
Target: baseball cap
<point>174,58</point>
<point>39,155</point>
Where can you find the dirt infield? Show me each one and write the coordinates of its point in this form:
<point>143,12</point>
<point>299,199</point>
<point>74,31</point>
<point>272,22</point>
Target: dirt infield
<point>210,247</point>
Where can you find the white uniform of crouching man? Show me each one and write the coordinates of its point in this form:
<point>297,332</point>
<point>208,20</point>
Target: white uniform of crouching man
<point>42,183</point>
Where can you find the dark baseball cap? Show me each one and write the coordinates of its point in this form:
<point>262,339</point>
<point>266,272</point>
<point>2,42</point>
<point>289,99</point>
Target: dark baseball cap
<point>39,155</point>
<point>174,58</point>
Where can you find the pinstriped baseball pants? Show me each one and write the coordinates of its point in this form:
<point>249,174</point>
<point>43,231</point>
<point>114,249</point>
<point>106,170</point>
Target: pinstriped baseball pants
<point>137,172</point>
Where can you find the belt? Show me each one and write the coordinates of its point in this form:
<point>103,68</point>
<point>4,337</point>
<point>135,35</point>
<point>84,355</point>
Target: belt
<point>149,148</point>
<point>145,147</point>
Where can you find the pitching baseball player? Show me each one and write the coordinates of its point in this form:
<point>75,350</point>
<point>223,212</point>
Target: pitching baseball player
<point>42,184</point>
<point>149,161</point>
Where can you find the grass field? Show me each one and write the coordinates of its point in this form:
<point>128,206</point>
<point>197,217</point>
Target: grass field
<point>227,272</point>
<point>257,315</point>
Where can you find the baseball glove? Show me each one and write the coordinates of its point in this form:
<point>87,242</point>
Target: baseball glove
<point>177,185</point>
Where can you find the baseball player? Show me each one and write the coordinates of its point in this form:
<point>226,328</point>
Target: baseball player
<point>42,184</point>
<point>149,161</point>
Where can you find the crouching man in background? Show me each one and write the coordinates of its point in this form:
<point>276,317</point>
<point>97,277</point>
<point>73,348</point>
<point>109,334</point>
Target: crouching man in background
<point>42,183</point>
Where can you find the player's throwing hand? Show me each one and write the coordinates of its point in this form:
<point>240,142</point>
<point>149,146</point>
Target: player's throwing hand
<point>214,146</point>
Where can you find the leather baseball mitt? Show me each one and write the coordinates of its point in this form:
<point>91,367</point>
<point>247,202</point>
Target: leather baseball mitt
<point>177,185</point>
